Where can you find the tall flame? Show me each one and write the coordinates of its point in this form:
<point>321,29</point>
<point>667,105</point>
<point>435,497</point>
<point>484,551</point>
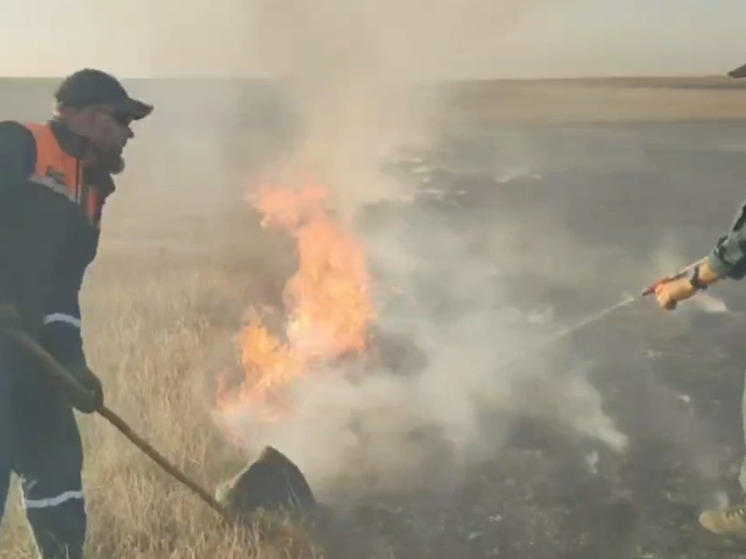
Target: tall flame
<point>328,305</point>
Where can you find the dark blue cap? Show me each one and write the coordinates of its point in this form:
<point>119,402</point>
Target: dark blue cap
<point>89,88</point>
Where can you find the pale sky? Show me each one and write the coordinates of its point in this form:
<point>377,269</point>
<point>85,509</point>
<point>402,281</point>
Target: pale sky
<point>558,38</point>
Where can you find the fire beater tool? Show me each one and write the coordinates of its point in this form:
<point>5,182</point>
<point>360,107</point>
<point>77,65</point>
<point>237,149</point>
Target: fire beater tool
<point>271,482</point>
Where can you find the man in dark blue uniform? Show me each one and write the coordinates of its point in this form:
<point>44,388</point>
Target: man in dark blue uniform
<point>54,180</point>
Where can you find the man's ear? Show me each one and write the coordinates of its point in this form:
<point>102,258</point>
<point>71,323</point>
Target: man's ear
<point>80,121</point>
<point>90,117</point>
<point>87,121</point>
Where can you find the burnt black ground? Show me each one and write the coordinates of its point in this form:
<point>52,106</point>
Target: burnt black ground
<point>671,381</point>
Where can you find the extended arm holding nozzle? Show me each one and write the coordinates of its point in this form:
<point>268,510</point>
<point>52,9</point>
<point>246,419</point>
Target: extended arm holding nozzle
<point>680,274</point>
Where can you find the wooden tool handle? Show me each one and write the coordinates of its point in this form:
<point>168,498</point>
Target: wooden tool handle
<point>61,373</point>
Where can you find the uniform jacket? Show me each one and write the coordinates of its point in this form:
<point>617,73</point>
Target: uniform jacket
<point>47,240</point>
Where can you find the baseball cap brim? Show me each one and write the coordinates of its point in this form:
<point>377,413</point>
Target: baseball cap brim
<point>739,72</point>
<point>136,109</point>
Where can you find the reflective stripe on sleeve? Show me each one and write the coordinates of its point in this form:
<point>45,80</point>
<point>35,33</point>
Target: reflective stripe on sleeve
<point>54,185</point>
<point>52,501</point>
<point>61,317</point>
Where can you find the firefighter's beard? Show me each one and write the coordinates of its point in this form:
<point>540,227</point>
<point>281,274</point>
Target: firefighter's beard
<point>110,160</point>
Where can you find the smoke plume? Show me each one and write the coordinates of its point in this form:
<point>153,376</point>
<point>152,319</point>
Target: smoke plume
<point>457,361</point>
<point>353,72</point>
<point>441,395</point>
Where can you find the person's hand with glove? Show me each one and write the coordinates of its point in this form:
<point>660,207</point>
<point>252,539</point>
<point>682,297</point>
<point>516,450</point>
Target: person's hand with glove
<point>91,398</point>
<point>63,341</point>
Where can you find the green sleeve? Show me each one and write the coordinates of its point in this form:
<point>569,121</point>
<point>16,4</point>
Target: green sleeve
<point>728,256</point>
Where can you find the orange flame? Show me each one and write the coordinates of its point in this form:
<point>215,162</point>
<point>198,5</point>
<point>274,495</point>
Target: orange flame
<point>327,302</point>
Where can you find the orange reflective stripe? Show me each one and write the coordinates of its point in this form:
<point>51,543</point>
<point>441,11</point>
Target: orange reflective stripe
<point>52,161</point>
<point>94,203</point>
<point>61,172</point>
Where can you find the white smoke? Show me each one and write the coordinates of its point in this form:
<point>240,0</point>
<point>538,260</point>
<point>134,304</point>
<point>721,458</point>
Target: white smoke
<point>465,363</point>
<point>351,70</point>
<point>355,71</point>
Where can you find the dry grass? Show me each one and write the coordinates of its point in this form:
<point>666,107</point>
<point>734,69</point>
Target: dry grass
<point>158,323</point>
